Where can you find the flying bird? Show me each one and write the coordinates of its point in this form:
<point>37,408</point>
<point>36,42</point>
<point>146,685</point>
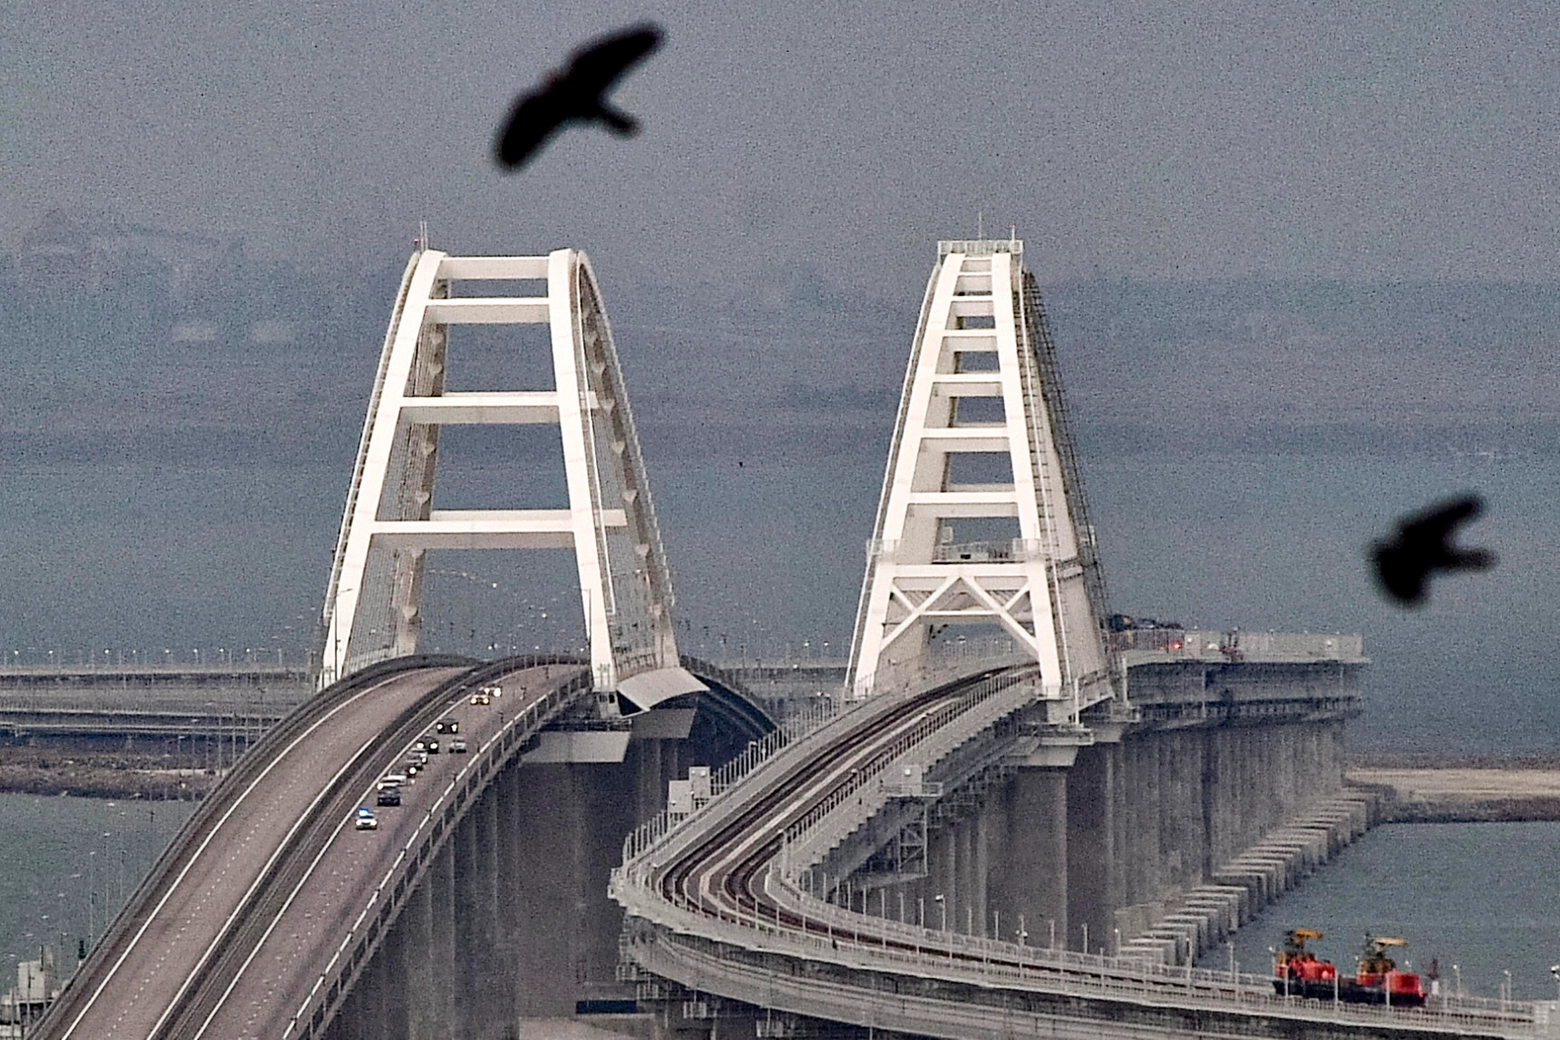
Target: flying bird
<point>576,94</point>
<point>1422,545</point>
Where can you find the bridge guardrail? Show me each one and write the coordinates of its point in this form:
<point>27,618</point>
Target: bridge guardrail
<point>116,936</point>
<point>830,998</point>
<point>990,964</point>
<point>825,931</point>
<point>379,913</point>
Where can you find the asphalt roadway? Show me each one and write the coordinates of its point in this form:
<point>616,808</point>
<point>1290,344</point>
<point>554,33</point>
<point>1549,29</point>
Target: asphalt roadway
<point>308,932</point>
<point>148,973</point>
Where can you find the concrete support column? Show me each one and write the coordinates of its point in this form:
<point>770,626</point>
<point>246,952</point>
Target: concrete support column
<point>416,932</point>
<point>391,959</point>
<point>961,900</point>
<point>492,989</point>
<point>1093,870</point>
<point>510,906</point>
<point>980,867</point>
<point>441,965</point>
<point>478,1010</point>
<point>540,888</point>
<point>1029,879</point>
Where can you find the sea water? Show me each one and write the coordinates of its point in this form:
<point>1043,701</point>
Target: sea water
<point>1480,899</point>
<point>68,864</point>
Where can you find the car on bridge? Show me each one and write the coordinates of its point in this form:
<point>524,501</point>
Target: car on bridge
<point>457,746</point>
<point>366,820</point>
<point>389,794</point>
<point>392,780</point>
<point>482,697</point>
<point>447,726</point>
<point>428,745</point>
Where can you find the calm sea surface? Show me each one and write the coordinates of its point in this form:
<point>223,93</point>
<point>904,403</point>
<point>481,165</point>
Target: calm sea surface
<point>68,864</point>
<point>1483,896</point>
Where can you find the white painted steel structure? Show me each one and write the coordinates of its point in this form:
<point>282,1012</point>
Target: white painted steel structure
<point>980,444</point>
<point>373,603</point>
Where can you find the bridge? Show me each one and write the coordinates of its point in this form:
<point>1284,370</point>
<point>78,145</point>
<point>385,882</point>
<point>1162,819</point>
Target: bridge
<point>1014,815</point>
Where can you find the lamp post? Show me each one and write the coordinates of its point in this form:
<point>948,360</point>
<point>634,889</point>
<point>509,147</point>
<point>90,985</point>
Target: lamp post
<point>942,906</point>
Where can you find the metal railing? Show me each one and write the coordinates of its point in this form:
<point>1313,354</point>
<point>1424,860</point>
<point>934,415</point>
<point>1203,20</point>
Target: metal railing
<point>798,924</point>
<point>1172,989</point>
<point>1198,644</point>
<point>979,246</point>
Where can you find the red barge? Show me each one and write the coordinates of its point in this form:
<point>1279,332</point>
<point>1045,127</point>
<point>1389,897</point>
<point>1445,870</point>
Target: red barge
<point>1299,972</point>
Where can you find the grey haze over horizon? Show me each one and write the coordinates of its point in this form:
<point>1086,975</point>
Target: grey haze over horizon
<point>1303,265</point>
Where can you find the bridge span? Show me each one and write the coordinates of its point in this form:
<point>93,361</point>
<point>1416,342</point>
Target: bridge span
<point>270,913</point>
<point>729,903</point>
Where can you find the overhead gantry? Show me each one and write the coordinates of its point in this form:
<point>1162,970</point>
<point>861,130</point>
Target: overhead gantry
<point>982,521</point>
<point>373,605</point>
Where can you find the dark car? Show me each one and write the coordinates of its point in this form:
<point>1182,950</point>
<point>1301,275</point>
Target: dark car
<point>389,795</point>
<point>447,726</point>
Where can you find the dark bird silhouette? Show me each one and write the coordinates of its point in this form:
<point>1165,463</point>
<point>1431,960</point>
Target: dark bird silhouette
<point>1422,545</point>
<point>576,94</point>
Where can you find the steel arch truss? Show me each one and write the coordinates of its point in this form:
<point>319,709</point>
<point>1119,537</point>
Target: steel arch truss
<point>373,603</point>
<point>980,444</point>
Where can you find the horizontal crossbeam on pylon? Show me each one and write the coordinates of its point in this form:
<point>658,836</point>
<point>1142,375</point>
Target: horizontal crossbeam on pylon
<point>493,310</point>
<point>487,529</point>
<point>508,408</point>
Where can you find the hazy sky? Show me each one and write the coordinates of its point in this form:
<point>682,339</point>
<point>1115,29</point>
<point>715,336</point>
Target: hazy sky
<point>1270,235</point>
<point>1383,140</point>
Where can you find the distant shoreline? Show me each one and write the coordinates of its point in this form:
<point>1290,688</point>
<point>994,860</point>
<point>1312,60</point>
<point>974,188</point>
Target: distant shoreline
<point>1413,788</point>
<point>1514,791</point>
<point>91,773</point>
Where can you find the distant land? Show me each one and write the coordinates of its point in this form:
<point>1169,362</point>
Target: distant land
<point>179,448</point>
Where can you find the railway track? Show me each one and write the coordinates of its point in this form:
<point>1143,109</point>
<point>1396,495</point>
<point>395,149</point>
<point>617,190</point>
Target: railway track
<point>724,883</point>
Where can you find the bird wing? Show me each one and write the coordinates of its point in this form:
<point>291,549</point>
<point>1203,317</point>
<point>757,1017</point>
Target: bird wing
<point>1437,523</point>
<point>534,118</point>
<point>599,64</point>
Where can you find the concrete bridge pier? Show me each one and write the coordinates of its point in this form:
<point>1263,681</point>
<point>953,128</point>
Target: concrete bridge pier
<point>1092,885</point>
<point>1027,884</point>
<point>511,919</point>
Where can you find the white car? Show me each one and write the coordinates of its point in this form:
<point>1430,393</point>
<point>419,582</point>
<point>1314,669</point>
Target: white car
<point>366,820</point>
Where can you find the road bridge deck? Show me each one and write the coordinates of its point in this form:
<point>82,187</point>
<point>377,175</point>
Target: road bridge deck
<point>225,886</point>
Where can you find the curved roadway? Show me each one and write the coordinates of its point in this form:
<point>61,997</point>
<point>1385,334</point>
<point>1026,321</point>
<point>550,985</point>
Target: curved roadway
<point>718,882</point>
<point>229,933</point>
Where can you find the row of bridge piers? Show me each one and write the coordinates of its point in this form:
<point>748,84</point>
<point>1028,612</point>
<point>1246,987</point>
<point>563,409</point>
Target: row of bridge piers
<point>512,921</point>
<point>1087,856</point>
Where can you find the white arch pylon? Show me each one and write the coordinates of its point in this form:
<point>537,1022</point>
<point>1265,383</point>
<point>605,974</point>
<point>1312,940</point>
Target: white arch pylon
<point>373,603</point>
<point>981,382</point>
